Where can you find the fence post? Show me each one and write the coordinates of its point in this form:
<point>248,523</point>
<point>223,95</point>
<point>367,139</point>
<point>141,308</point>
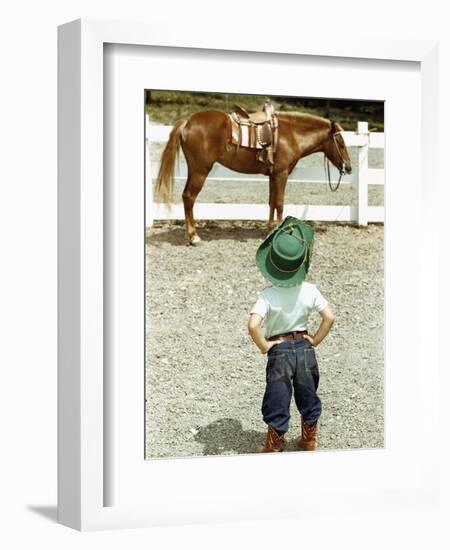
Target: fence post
<point>362,189</point>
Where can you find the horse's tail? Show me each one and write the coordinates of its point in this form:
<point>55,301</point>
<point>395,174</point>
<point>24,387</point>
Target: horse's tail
<point>164,181</point>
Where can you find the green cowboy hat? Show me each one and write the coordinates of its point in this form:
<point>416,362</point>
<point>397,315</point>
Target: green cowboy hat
<point>284,256</point>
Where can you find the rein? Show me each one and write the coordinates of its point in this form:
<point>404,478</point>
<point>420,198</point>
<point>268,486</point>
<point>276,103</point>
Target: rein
<point>336,187</point>
<point>327,166</point>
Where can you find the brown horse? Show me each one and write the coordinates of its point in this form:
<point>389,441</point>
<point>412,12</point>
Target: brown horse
<point>205,139</point>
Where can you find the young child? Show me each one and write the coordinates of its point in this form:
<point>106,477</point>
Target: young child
<point>283,259</point>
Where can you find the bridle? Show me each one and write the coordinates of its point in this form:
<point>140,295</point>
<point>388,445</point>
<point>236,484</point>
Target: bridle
<point>341,169</point>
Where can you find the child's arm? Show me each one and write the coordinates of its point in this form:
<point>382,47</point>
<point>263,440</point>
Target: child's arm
<point>324,328</point>
<point>254,329</point>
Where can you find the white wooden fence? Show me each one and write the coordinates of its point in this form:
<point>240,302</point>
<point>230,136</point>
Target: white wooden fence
<point>359,212</point>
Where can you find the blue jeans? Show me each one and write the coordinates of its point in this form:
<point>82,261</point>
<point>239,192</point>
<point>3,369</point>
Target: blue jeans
<point>291,365</point>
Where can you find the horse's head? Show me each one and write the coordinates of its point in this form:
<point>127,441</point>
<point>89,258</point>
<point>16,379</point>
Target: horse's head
<point>336,150</point>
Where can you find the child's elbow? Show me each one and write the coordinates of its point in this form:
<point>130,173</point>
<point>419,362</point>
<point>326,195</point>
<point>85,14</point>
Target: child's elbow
<point>328,316</point>
<point>253,324</point>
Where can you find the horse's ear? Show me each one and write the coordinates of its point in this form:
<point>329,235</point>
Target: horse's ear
<point>335,127</point>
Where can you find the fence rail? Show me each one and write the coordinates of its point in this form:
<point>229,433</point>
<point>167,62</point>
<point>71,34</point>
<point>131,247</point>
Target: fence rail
<point>359,212</point>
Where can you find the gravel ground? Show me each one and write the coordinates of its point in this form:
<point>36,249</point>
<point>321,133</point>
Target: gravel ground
<point>250,192</point>
<point>205,378</point>
<point>296,193</point>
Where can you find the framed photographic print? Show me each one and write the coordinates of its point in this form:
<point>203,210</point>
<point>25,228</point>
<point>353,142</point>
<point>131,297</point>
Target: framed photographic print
<point>160,385</point>
<point>204,378</point>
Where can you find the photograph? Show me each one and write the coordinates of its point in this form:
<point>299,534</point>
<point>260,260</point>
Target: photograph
<point>264,289</point>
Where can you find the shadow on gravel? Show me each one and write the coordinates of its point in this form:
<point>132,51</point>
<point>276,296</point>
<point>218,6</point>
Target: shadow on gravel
<point>177,235</point>
<point>174,232</point>
<point>226,436</point>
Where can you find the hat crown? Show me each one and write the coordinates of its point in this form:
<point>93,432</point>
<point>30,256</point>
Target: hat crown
<point>284,256</point>
<point>288,249</point>
<point>288,244</point>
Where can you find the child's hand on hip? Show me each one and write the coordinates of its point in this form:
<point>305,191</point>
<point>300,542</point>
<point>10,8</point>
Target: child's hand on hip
<point>269,345</point>
<point>310,339</point>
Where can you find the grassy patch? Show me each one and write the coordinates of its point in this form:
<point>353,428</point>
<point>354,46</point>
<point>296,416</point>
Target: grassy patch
<point>167,107</point>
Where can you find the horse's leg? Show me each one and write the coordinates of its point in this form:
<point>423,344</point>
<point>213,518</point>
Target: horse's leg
<point>192,188</point>
<point>278,186</point>
<point>271,202</point>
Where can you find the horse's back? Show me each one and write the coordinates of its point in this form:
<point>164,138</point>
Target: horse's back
<point>209,118</point>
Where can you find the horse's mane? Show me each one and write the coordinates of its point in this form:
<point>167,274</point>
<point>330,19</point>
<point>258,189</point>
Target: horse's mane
<point>306,118</point>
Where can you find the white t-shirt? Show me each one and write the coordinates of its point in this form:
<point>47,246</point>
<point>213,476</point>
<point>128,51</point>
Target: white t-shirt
<point>286,309</point>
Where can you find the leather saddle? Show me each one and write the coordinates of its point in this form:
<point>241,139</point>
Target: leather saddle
<point>256,130</point>
<point>264,114</point>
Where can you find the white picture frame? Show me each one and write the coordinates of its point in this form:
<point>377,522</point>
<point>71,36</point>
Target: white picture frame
<point>82,484</point>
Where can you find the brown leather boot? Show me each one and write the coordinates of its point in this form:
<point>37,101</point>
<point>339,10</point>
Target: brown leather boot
<point>274,442</point>
<point>307,441</point>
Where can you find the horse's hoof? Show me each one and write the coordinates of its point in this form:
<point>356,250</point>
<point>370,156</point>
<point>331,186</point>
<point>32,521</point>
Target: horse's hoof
<point>194,240</point>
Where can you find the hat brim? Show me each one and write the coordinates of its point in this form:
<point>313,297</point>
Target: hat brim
<point>270,271</point>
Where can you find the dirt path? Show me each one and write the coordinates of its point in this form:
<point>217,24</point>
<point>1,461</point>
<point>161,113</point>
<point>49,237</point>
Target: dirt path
<point>205,378</point>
